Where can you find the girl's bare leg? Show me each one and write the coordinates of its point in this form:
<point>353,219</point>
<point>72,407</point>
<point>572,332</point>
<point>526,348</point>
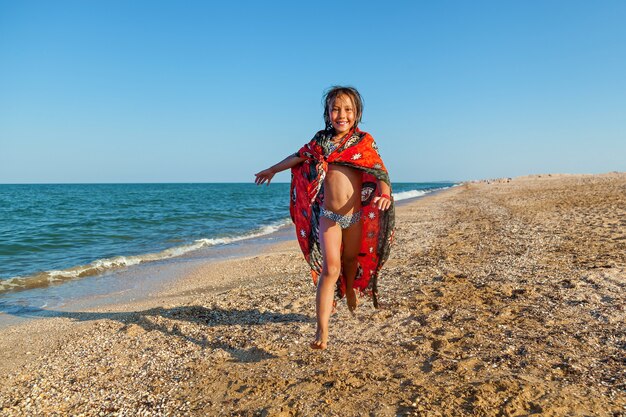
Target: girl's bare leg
<point>330,245</point>
<point>349,259</point>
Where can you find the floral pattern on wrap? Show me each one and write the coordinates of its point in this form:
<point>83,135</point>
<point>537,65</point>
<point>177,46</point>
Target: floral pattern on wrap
<point>359,151</point>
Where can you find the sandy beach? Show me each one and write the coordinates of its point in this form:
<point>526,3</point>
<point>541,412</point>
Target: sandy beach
<point>500,298</point>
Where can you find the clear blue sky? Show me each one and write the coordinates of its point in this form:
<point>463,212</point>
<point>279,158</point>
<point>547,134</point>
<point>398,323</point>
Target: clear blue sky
<point>185,91</point>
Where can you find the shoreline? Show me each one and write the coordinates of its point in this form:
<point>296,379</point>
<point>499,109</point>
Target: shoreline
<point>167,285</point>
<point>137,282</point>
<point>161,280</point>
<point>498,298</point>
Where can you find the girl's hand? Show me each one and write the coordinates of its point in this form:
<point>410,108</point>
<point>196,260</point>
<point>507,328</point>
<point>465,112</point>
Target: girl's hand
<point>383,202</point>
<point>263,176</point>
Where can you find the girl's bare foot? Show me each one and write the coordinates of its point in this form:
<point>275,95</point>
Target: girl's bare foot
<point>320,341</point>
<point>351,300</point>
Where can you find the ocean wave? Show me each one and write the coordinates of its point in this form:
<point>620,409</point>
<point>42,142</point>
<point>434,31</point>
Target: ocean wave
<point>405,195</point>
<point>44,279</point>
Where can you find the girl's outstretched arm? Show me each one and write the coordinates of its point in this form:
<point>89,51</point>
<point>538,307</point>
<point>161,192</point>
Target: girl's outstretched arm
<point>267,174</point>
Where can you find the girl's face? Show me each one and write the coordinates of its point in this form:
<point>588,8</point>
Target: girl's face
<point>342,114</point>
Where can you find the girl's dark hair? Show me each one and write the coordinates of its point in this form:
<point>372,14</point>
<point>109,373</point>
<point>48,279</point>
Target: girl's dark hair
<point>332,93</point>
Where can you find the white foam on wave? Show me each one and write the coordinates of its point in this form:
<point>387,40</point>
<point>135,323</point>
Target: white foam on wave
<point>405,195</point>
<point>265,230</point>
<point>102,265</point>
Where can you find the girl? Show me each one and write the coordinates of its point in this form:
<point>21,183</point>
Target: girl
<point>341,206</point>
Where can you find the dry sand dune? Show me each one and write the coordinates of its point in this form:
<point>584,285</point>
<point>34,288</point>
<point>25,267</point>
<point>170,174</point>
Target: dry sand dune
<point>499,299</point>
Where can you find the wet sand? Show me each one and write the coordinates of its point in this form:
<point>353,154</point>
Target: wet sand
<point>500,298</point>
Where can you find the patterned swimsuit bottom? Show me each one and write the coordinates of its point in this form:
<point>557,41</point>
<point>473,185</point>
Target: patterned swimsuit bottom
<point>344,221</point>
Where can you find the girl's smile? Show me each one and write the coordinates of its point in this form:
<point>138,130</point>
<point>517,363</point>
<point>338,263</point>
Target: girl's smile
<point>342,114</point>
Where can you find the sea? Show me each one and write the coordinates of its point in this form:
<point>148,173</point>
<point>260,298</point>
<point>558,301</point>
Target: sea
<point>55,234</point>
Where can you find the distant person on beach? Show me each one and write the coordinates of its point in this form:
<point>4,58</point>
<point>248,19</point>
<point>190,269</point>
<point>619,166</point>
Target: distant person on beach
<point>341,206</point>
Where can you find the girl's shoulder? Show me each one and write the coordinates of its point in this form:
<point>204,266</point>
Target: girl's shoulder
<point>365,135</point>
<point>321,135</point>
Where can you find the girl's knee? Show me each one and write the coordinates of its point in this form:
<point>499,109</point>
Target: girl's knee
<point>331,271</point>
<point>349,260</point>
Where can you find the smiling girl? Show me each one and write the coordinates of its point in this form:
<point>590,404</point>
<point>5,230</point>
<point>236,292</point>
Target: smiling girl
<point>341,206</point>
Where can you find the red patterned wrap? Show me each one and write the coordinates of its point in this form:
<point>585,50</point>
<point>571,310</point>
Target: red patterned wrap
<point>359,151</point>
